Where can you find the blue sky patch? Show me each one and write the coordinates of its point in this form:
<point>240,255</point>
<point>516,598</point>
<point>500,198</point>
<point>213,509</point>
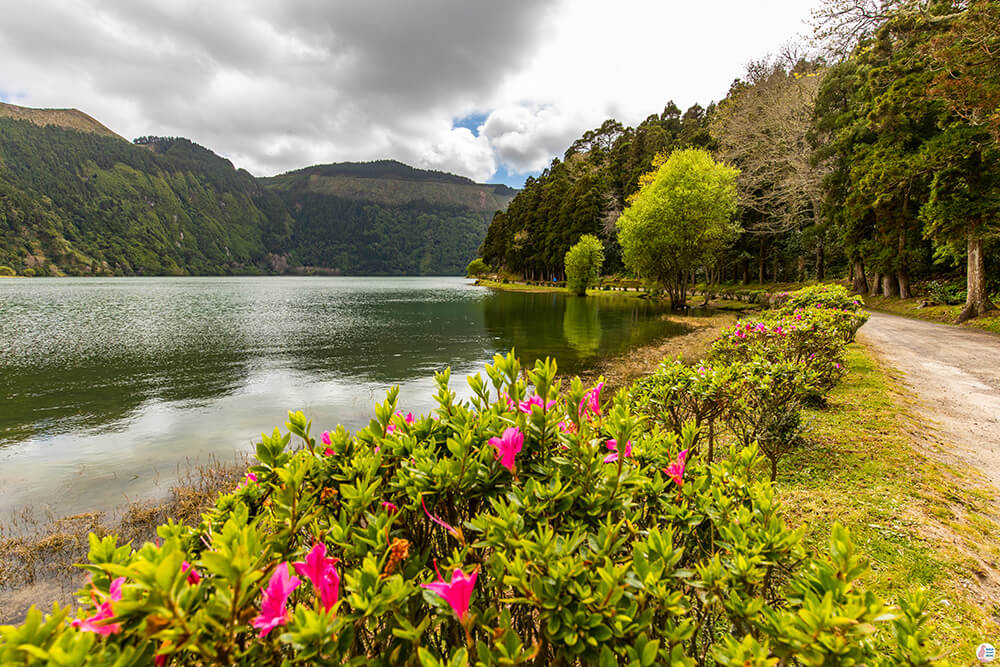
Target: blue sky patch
<point>471,122</point>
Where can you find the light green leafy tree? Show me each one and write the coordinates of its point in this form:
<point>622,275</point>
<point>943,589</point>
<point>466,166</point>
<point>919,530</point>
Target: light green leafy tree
<point>681,217</point>
<point>583,264</point>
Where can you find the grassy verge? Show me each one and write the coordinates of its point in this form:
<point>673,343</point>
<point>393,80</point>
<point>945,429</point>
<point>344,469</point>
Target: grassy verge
<point>922,524</point>
<point>524,287</point>
<point>933,313</point>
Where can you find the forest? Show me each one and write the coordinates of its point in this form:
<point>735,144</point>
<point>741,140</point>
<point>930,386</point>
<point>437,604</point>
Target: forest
<point>80,203</point>
<point>870,154</point>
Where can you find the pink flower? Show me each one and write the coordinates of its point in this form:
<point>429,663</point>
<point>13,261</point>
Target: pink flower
<point>613,446</point>
<point>248,479</point>
<point>701,370</point>
<point>328,451</point>
<point>326,438</point>
<point>272,608</point>
<point>592,400</point>
<point>409,419</point>
<point>676,469</point>
<point>451,529</point>
<point>526,406</point>
<point>837,365</point>
<point>457,592</point>
<point>96,622</point>
<point>193,576</point>
<point>508,447</point>
<point>740,334</point>
<point>390,507</point>
<point>322,572</point>
<point>567,427</point>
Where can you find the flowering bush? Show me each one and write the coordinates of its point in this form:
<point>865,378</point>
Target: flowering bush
<point>845,310</point>
<point>569,532</point>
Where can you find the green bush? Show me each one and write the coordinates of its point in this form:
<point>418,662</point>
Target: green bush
<point>946,294</point>
<point>565,546</point>
<point>583,264</point>
<point>477,268</point>
<point>7,271</point>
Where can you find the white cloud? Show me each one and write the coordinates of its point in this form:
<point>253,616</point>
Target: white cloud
<point>276,86</point>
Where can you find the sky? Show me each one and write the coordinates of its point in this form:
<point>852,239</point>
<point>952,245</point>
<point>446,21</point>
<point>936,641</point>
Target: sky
<point>488,89</point>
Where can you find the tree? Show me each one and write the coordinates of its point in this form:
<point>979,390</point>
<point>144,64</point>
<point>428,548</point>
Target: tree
<point>681,217</point>
<point>477,268</point>
<point>764,127</point>
<point>583,264</point>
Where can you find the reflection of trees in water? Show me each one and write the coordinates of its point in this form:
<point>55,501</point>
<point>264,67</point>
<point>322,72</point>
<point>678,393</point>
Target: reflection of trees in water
<point>574,330</point>
<point>582,325</point>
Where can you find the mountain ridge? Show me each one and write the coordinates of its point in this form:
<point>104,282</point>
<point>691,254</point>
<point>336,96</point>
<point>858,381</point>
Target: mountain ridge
<point>77,199</point>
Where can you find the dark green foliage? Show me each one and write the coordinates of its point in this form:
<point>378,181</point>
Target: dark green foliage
<point>84,204</point>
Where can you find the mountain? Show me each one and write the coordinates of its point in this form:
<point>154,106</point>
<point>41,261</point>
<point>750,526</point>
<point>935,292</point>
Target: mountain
<point>75,198</point>
<point>70,119</point>
<point>386,217</point>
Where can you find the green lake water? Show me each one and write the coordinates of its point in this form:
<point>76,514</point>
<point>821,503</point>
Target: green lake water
<point>112,388</point>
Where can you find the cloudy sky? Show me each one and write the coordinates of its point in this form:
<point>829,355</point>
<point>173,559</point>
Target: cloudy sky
<point>490,89</point>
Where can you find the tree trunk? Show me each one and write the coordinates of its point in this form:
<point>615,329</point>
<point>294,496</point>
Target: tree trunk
<point>977,301</point>
<point>902,277</point>
<point>889,285</point>
<point>904,284</point>
<point>876,288</point>
<point>746,272</point>
<point>801,269</point>
<point>858,280</point>
<point>762,260</point>
<point>821,261</point>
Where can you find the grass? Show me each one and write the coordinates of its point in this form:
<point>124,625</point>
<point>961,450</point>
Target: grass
<point>922,524</point>
<point>932,313</point>
<point>38,557</point>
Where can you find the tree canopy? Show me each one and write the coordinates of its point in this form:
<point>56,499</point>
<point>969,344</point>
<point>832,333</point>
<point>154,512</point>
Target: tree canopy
<point>679,220</point>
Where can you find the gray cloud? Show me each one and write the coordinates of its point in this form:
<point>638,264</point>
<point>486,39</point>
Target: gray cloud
<point>277,86</point>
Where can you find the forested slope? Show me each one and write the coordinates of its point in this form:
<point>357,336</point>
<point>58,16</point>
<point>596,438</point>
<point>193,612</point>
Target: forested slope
<point>77,199</point>
<point>386,217</point>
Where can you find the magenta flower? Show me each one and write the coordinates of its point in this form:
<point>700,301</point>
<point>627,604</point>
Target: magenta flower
<point>322,572</point>
<point>676,469</point>
<point>457,592</point>
<point>326,438</point>
<point>526,406</point>
<point>390,429</point>
<point>193,576</point>
<point>567,427</point>
<point>613,446</point>
<point>96,622</point>
<point>409,418</point>
<point>508,447</point>
<point>592,400</point>
<point>328,451</point>
<point>272,608</point>
<point>248,479</point>
<point>390,507</point>
<point>451,529</point>
<point>837,365</point>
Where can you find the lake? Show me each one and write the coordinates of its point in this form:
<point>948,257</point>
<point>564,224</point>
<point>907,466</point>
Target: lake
<point>112,388</point>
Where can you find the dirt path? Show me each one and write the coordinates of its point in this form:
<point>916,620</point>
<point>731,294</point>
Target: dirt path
<point>955,375</point>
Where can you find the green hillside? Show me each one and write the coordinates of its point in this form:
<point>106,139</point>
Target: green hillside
<point>385,217</point>
<point>76,199</point>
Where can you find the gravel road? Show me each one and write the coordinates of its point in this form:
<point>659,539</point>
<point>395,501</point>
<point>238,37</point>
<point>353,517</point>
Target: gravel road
<point>954,372</point>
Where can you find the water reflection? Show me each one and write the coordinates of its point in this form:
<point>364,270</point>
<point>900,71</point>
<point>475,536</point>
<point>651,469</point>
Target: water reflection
<point>108,386</point>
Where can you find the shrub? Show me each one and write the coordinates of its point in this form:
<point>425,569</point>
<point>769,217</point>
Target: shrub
<point>506,529</point>
<point>477,268</point>
<point>676,394</point>
<point>946,294</point>
<point>583,264</point>
<point>7,271</point>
